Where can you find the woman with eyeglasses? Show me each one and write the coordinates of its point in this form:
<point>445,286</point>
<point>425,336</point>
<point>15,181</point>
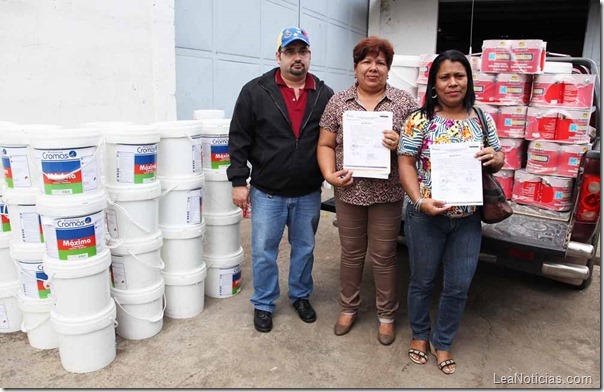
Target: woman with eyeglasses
<point>368,210</point>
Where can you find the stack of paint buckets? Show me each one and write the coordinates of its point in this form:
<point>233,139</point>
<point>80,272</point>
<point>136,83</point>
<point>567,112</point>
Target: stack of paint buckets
<point>71,204</point>
<point>11,315</point>
<point>181,176</point>
<point>223,253</point>
<point>133,224</point>
<point>27,240</point>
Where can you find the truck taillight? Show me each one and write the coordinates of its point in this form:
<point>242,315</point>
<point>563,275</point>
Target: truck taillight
<point>589,199</point>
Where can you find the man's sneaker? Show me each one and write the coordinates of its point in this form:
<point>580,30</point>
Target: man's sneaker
<point>305,310</point>
<point>263,320</point>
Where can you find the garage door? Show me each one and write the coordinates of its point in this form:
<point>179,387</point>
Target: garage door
<point>223,44</point>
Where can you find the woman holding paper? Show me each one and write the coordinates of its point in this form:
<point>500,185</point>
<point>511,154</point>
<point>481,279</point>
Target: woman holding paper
<point>368,210</point>
<point>438,234</point>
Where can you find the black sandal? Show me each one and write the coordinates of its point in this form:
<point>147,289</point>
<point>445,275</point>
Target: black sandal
<point>446,363</point>
<point>419,353</point>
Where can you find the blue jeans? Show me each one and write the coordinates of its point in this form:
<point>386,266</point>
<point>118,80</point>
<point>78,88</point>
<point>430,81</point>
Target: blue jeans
<point>432,241</point>
<point>270,215</point>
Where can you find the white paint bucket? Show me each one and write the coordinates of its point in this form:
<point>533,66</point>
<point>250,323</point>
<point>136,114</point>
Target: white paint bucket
<point>88,343</point>
<point>81,288</point>
<point>36,323</point>
<point>11,316</point>
<point>185,293</point>
<point>182,250</point>
<point>215,148</point>
<point>133,211</point>
<point>140,313</point>
<point>404,73</point>
<point>137,264</point>
<point>74,226</point>
<point>224,275</point>
<point>179,152</point>
<point>8,270</point>
<point>66,161</point>
<point>15,156</point>
<point>28,259</point>
<point>26,226</point>
<point>217,197</point>
<point>206,114</point>
<point>180,203</point>
<point>223,233</point>
<point>130,154</point>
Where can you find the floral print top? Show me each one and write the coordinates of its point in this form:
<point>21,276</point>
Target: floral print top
<point>419,134</point>
<point>368,191</point>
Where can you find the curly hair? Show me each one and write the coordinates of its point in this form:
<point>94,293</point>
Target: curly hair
<point>373,45</point>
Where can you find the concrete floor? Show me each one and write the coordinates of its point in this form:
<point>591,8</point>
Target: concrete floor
<point>514,324</point>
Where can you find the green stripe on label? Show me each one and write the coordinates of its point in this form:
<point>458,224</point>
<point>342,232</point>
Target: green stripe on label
<point>6,227</point>
<point>217,165</point>
<point>9,182</point>
<point>64,254</point>
<point>53,189</point>
<point>143,178</point>
<point>43,294</point>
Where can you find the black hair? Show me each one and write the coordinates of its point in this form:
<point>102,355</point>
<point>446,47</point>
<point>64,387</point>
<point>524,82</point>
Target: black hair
<point>455,56</point>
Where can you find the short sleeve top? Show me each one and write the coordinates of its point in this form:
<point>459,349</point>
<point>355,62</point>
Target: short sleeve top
<point>419,133</point>
<point>368,191</point>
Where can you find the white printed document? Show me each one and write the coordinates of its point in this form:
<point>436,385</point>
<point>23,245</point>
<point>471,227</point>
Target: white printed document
<point>364,153</point>
<point>456,173</point>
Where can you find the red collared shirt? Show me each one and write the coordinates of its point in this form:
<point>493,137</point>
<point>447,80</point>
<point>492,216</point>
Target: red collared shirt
<point>295,106</point>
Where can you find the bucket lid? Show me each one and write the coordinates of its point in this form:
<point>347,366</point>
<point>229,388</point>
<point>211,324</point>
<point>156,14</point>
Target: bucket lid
<point>12,135</point>
<point>5,240</point>
<point>185,278</point>
<point>77,268</point>
<point>131,134</point>
<point>182,232</point>
<point>557,67</point>
<point>53,137</point>
<point>83,325</point>
<point>401,60</point>
<point>182,183</point>
<point>106,124</point>
<point>35,305</point>
<point>205,114</point>
<point>22,196</point>
<point>139,296</point>
<point>179,128</point>
<point>216,126</point>
<point>145,244</point>
<point>71,205</point>
<point>26,251</point>
<point>223,219</point>
<point>10,289</point>
<point>137,192</point>
<point>227,260</point>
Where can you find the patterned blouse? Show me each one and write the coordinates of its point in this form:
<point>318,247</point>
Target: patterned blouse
<point>419,133</point>
<point>368,191</point>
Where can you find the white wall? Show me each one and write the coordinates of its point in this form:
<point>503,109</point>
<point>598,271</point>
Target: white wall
<point>410,25</point>
<point>66,62</point>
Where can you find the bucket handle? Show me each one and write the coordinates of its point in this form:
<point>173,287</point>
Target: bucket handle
<point>28,273</point>
<point>165,192</point>
<point>151,319</point>
<point>121,240</point>
<point>58,177</point>
<point>161,266</point>
<point>26,329</point>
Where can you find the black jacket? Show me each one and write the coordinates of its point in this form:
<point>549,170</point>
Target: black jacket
<point>261,133</point>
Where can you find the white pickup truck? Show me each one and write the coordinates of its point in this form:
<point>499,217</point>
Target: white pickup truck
<point>558,246</point>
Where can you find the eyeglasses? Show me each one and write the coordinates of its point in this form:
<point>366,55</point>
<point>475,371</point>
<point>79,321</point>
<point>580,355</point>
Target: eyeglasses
<point>303,52</point>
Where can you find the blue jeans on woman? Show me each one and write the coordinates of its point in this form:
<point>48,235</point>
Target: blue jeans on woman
<point>270,215</point>
<point>432,241</point>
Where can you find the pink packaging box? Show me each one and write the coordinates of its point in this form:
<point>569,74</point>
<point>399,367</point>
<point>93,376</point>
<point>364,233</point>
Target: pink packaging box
<point>569,91</point>
<point>425,61</point>
<point>506,179</point>
<point>513,88</point>
<point>512,121</point>
<point>514,153</point>
<point>542,157</point>
<point>528,56</point>
<point>485,87</point>
<point>492,110</point>
<point>496,56</point>
<point>525,189</point>
<point>556,124</point>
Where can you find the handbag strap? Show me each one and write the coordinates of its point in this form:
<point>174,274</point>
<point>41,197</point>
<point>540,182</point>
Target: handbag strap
<point>483,123</point>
